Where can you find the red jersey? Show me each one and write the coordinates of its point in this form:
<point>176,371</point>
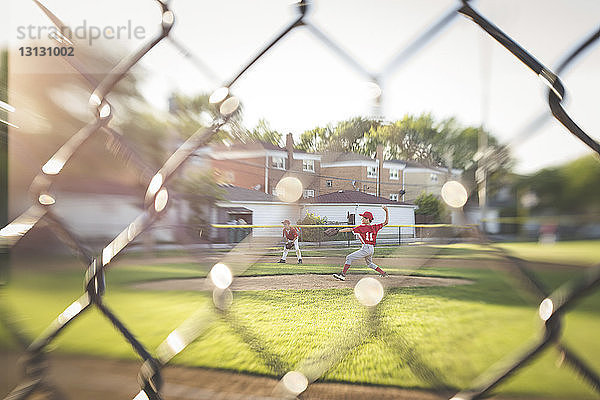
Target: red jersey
<point>290,234</point>
<point>367,233</point>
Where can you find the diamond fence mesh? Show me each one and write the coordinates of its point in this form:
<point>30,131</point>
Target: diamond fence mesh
<point>371,320</point>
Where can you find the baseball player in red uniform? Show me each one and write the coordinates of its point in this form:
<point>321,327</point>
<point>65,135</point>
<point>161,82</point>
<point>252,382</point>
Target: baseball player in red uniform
<point>291,236</point>
<point>367,234</point>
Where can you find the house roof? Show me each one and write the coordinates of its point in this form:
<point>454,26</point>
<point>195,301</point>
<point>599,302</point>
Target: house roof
<point>236,193</point>
<point>351,196</point>
<point>253,146</point>
<point>330,157</point>
<point>333,157</point>
<point>410,164</point>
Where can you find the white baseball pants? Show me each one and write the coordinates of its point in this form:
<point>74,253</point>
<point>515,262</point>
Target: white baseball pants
<point>298,253</point>
<point>366,252</point>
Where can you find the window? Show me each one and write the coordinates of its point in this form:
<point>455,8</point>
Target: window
<point>278,162</point>
<point>308,193</point>
<point>394,197</point>
<point>394,174</point>
<point>371,172</point>
<point>329,183</point>
<point>433,177</point>
<point>308,165</point>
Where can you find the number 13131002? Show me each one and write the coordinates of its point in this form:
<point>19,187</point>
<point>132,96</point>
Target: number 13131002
<point>47,51</point>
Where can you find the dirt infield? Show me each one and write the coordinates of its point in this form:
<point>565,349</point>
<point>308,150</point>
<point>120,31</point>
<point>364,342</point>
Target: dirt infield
<point>298,282</point>
<point>91,378</point>
<point>81,377</point>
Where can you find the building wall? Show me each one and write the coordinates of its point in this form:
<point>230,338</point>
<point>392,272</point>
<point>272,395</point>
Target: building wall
<point>264,213</point>
<point>416,183</point>
<point>101,217</point>
<point>399,215</point>
<point>246,173</point>
<point>363,184</point>
<point>389,186</point>
<point>310,180</point>
<point>348,174</point>
<point>250,172</point>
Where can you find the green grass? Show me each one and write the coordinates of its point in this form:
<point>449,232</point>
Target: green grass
<point>453,332</point>
<point>584,253</point>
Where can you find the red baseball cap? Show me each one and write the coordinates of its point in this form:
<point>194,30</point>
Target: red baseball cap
<point>367,215</point>
<point>286,221</point>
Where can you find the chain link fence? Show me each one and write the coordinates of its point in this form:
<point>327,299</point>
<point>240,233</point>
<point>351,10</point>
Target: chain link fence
<point>295,378</point>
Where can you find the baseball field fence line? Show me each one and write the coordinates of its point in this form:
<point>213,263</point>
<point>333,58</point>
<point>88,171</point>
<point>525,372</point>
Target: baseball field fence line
<point>294,378</point>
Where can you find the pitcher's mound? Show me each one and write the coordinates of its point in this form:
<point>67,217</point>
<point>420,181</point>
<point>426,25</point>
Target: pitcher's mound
<point>299,282</point>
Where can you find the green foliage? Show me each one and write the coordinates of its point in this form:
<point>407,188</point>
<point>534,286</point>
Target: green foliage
<point>263,132</point>
<point>201,191</point>
<point>312,234</point>
<point>350,135</point>
<point>431,206</point>
<point>573,188</point>
<point>417,138</point>
<point>196,112</point>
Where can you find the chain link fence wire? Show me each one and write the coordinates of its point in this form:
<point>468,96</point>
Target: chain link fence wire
<point>295,378</point>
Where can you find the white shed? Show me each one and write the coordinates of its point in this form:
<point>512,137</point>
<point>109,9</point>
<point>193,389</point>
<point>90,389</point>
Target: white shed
<point>256,208</point>
<point>343,206</point>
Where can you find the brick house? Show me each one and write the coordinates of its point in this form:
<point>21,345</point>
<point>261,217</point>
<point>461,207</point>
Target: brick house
<point>418,178</point>
<point>350,171</point>
<point>396,180</point>
<point>261,165</point>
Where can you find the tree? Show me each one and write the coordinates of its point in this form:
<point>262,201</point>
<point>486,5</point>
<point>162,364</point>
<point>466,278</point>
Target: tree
<point>201,191</point>
<point>195,112</point>
<point>315,139</point>
<point>346,136</point>
<point>572,188</point>
<point>431,206</point>
<point>312,234</point>
<point>413,138</point>
<point>263,132</point>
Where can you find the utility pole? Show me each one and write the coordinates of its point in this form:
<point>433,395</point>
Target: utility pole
<point>4,255</point>
<point>481,174</point>
<point>482,147</point>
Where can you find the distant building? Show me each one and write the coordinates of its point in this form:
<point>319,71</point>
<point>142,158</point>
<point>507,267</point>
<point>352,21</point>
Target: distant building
<point>344,207</point>
<point>253,207</point>
<point>261,165</point>
<point>418,178</point>
<point>395,180</point>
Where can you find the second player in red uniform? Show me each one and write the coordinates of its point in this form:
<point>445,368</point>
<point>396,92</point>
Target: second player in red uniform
<point>367,233</point>
<point>291,236</point>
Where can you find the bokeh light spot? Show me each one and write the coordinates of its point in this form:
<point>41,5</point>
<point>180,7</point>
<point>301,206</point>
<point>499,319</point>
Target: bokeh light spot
<point>454,194</point>
<point>295,382</point>
<point>546,309</point>
<point>289,189</point>
<point>46,199</point>
<point>221,276</point>
<point>368,291</point>
<point>218,95</point>
<point>229,106</point>
<point>160,202</point>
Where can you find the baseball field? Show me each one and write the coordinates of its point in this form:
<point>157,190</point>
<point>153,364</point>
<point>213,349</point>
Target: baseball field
<point>449,313</point>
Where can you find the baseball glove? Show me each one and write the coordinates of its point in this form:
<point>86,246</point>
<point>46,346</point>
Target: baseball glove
<point>331,231</point>
<point>289,245</point>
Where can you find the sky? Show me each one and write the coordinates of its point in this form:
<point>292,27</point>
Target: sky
<point>300,83</point>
